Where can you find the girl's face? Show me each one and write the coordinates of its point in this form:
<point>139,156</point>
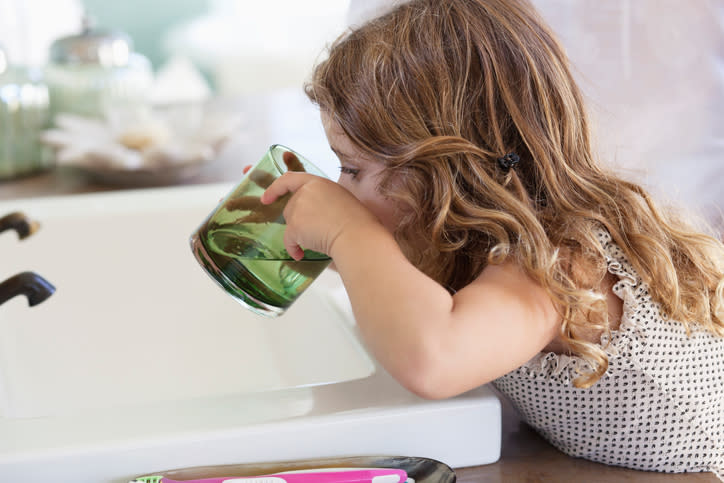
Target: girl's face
<point>359,174</point>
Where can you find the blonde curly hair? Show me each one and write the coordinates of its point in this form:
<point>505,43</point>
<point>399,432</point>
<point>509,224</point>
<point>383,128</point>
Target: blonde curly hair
<point>437,90</point>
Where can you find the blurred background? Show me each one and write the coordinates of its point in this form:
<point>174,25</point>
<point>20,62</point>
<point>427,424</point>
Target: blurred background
<point>228,40</point>
<point>653,75</point>
<point>145,93</point>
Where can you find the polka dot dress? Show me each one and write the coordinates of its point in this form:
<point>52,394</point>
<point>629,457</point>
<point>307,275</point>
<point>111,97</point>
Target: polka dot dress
<point>658,407</point>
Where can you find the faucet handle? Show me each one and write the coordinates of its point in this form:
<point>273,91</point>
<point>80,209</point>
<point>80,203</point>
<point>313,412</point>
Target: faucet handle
<point>19,222</point>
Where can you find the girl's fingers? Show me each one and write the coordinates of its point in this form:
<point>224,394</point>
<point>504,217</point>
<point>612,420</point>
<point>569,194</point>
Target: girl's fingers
<point>246,168</point>
<point>262,178</point>
<point>243,203</point>
<point>292,162</point>
<point>292,247</point>
<point>287,183</point>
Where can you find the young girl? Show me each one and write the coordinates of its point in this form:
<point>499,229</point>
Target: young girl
<point>479,241</point>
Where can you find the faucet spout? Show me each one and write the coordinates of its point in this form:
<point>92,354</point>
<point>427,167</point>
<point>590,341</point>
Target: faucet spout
<point>30,284</point>
<point>20,223</point>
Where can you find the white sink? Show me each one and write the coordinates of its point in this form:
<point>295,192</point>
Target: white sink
<point>139,362</point>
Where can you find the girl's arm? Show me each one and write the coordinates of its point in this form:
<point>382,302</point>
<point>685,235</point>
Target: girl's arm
<point>435,344</point>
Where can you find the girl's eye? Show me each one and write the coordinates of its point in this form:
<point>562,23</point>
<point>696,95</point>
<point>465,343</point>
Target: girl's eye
<point>350,171</point>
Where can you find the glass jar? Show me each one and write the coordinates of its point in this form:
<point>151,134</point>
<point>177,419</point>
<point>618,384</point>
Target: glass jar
<point>90,72</point>
<point>24,114</point>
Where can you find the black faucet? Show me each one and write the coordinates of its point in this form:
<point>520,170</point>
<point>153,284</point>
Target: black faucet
<point>30,284</point>
<point>20,223</point>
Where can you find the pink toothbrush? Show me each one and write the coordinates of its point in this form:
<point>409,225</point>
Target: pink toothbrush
<point>332,475</point>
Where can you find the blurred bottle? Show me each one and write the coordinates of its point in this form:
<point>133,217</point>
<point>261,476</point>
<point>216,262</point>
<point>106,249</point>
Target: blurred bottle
<point>28,27</point>
<point>24,113</point>
<point>90,72</point>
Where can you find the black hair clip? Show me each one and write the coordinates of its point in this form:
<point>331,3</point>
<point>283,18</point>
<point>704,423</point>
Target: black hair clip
<point>508,161</point>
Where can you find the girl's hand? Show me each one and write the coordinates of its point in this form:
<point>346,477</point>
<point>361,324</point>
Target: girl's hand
<point>318,213</point>
<point>260,213</point>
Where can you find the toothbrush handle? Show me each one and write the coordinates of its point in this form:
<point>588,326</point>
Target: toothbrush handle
<point>377,475</point>
<point>349,476</point>
<point>239,479</point>
<point>205,480</point>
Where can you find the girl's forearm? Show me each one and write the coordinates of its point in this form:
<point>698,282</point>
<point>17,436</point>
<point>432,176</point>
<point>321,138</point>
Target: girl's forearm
<point>435,344</point>
<point>401,313</point>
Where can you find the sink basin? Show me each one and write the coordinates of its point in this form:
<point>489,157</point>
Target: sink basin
<point>136,321</point>
<point>139,362</point>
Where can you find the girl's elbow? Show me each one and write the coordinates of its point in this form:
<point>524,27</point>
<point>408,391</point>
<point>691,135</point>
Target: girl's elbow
<point>428,381</point>
<point>433,372</point>
<point>429,392</point>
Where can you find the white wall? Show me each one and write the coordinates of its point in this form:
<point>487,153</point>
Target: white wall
<point>653,72</point>
<point>28,27</point>
<point>253,46</point>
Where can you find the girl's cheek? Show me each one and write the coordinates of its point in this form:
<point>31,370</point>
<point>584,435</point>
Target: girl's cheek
<point>348,180</point>
<point>344,182</point>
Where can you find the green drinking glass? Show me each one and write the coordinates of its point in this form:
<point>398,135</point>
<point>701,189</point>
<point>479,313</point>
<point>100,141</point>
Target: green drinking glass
<point>240,245</point>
